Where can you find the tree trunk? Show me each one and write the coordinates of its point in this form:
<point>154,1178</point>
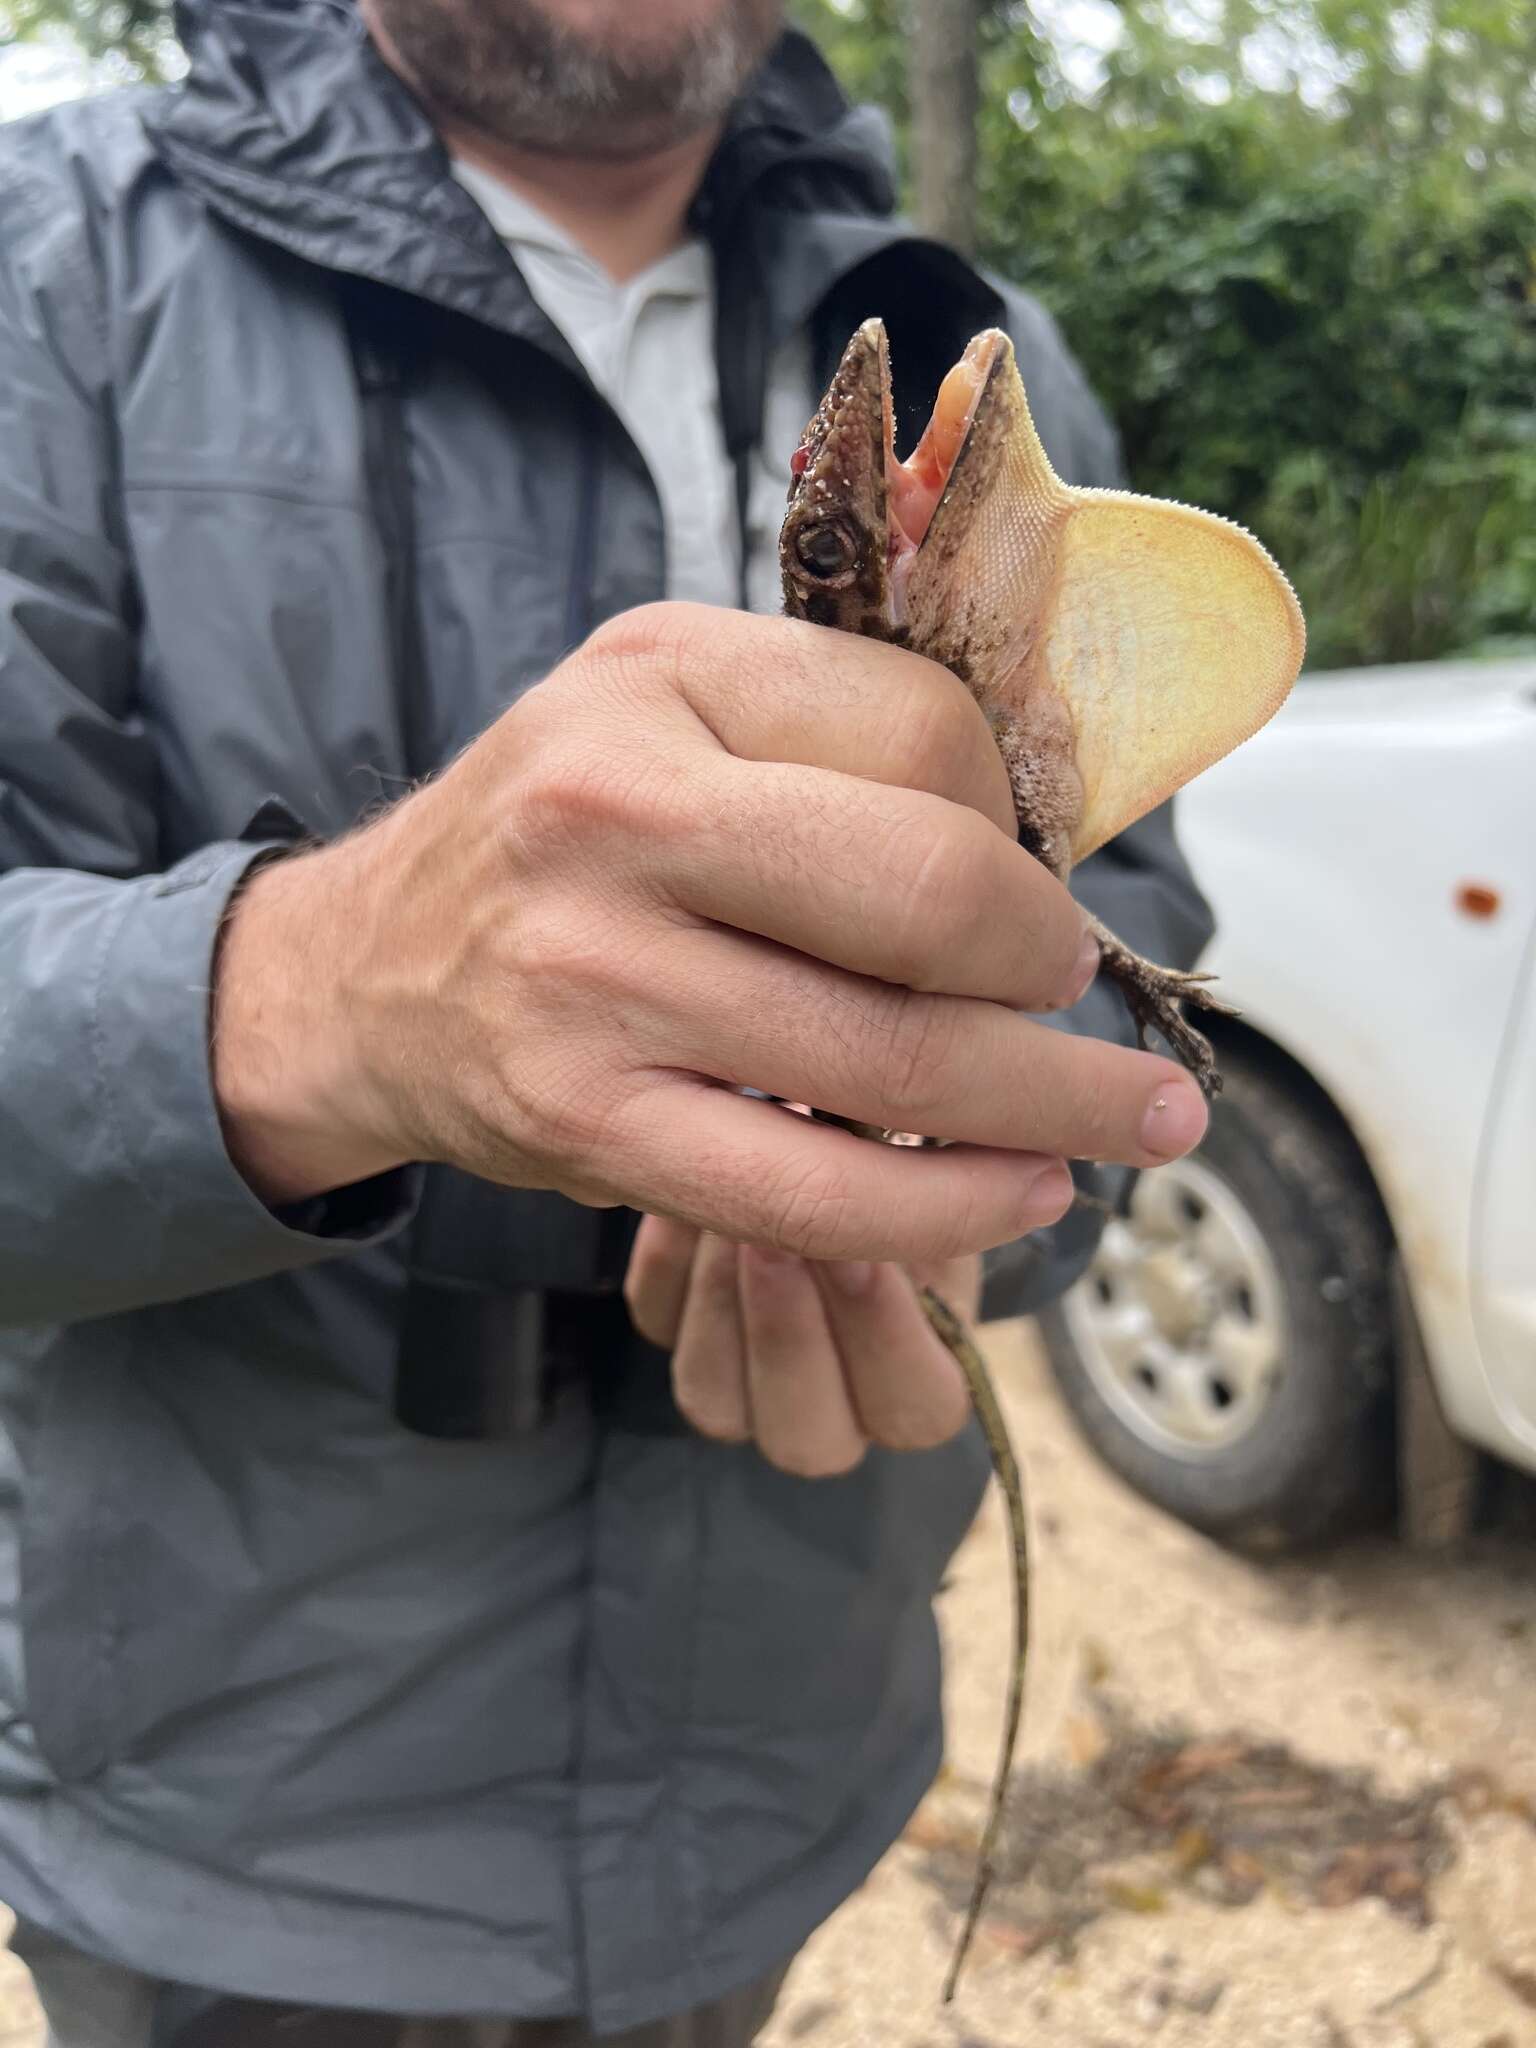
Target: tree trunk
<point>946,93</point>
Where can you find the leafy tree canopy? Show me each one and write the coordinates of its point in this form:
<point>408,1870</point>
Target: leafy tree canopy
<point>127,38</point>
<point>1293,242</point>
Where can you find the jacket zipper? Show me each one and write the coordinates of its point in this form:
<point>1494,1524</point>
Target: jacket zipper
<point>579,590</point>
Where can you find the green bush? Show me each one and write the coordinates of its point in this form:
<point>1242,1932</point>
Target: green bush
<point>1312,311</point>
<point>1293,242</point>
<point>1326,348</point>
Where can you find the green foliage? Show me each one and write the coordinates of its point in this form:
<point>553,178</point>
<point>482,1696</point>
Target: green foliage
<point>864,41</point>
<point>132,37</point>
<point>1336,348</point>
<point>1294,246</point>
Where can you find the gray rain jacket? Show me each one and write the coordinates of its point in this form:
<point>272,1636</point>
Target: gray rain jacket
<point>293,1701</point>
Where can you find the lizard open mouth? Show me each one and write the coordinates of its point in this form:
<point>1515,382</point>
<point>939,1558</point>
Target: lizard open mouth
<point>914,487</point>
<point>859,519</point>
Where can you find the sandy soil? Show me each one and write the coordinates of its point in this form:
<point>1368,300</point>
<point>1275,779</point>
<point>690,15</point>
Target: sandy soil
<point>1260,1807</point>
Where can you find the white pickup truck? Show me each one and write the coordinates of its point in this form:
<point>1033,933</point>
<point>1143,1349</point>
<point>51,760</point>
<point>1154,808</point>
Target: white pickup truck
<point>1336,1295</point>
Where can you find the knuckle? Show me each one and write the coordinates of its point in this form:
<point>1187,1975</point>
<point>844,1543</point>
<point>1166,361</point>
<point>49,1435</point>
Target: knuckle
<point>916,1059</point>
<point>973,905</point>
<point>636,636</point>
<point>950,748</point>
<point>1054,937</point>
<point>817,663</point>
<point>950,896</point>
<point>671,645</point>
<point>557,957</point>
<point>577,795</point>
<point>948,739</point>
<point>1092,1101</point>
<point>568,1108</point>
<point>968,1218</point>
<point>926,901</point>
<point>809,1210</point>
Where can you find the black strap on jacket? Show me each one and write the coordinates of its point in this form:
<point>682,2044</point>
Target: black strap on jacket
<point>382,373</point>
<point>513,1293</point>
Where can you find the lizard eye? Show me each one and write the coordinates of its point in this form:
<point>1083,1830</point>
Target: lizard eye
<point>826,549</point>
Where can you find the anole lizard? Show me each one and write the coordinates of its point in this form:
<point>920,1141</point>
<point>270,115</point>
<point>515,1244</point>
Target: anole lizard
<point>1118,646</point>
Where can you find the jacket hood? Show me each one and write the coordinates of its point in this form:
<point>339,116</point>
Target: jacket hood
<point>292,128</point>
<point>291,124</point>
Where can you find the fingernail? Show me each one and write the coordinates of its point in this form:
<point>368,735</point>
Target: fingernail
<point>769,1254</point>
<point>851,1276</point>
<point>1175,1123</point>
<point>1089,960</point>
<point>1047,1195</point>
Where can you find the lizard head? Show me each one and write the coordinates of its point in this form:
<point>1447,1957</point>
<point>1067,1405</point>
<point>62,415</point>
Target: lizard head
<point>833,543</point>
<point>857,517</point>
<point>1117,644</point>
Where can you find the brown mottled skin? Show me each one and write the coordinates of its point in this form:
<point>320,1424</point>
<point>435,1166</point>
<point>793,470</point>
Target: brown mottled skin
<point>836,557</point>
<point>835,554</point>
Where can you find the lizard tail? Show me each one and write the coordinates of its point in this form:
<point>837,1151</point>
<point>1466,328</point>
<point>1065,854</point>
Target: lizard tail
<point>978,1379</point>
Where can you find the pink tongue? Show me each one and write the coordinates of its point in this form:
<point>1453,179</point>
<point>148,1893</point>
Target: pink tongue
<point>916,485</point>
<point>913,503</point>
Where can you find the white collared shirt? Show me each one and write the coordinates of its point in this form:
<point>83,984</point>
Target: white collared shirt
<point>648,346</point>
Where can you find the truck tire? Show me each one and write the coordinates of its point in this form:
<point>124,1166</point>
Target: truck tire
<point>1229,1352</point>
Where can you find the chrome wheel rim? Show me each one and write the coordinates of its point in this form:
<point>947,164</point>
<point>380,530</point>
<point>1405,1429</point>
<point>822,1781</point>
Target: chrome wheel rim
<point>1180,1320</point>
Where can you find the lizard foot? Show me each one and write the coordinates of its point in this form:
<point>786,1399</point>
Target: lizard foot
<point>1154,994</point>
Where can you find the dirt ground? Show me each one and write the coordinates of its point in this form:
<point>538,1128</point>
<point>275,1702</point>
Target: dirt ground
<point>1289,1806</point>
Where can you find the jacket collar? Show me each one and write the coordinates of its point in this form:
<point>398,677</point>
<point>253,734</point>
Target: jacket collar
<point>291,126</point>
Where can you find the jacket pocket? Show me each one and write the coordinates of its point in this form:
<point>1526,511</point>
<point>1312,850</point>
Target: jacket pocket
<point>812,1592</point>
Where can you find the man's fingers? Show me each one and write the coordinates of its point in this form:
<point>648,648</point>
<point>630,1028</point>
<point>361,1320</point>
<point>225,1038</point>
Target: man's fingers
<point>709,1370</point>
<point>656,1282</point>
<point>957,1281</point>
<point>899,884</point>
<point>754,1172</point>
<point>907,1390</point>
<point>802,1416</point>
<point>826,699</point>
<point>940,1065</point>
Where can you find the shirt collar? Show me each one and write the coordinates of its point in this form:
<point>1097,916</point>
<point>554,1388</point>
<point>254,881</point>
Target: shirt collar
<point>682,273</point>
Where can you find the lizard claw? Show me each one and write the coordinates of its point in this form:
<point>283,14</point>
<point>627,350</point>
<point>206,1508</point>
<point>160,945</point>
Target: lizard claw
<point>1154,995</point>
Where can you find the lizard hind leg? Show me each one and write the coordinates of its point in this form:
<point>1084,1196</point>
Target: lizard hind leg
<point>1154,995</point>
<point>1035,740</point>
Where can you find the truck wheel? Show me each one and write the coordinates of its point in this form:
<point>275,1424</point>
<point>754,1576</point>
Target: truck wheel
<point>1229,1350</point>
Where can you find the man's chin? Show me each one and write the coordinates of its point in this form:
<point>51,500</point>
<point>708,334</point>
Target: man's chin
<point>601,142</point>
<point>510,72</point>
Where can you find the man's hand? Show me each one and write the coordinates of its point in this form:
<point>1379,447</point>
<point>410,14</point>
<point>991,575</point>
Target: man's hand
<point>813,1363</point>
<point>711,851</point>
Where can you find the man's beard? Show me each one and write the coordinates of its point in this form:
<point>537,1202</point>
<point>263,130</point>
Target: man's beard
<point>515,74</point>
